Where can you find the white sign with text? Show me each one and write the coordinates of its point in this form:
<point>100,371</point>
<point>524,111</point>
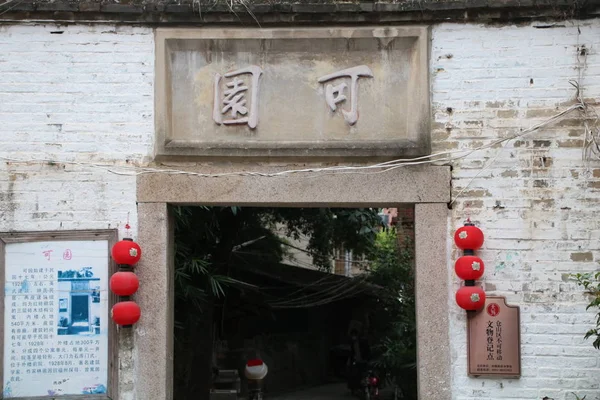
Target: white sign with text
<point>56,318</point>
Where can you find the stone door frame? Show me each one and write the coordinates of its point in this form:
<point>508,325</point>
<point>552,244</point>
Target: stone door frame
<point>428,188</point>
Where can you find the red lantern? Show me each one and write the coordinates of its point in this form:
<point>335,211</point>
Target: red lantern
<point>469,268</point>
<point>125,313</point>
<point>124,283</point>
<point>470,298</point>
<point>126,252</point>
<point>468,237</point>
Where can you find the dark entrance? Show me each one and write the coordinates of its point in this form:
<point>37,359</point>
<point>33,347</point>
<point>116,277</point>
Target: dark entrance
<point>291,287</point>
<point>79,314</point>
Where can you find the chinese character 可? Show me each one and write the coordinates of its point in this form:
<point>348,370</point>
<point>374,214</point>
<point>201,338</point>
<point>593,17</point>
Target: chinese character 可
<point>47,254</point>
<point>233,100</point>
<point>334,94</point>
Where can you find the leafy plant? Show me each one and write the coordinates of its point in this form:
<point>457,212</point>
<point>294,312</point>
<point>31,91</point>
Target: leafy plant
<point>328,229</point>
<point>392,268</point>
<point>591,284</point>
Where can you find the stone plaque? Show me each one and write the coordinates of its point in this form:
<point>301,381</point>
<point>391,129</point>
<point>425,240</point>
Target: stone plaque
<point>494,340</point>
<point>292,92</point>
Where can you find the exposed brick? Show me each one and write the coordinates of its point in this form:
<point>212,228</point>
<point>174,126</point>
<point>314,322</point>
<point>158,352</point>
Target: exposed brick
<point>582,257</point>
<point>539,230</point>
<point>507,113</point>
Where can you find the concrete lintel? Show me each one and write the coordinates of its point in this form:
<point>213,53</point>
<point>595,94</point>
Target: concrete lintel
<point>154,332</point>
<point>429,184</point>
<point>431,294</point>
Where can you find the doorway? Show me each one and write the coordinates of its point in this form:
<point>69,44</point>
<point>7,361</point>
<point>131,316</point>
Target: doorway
<point>80,314</point>
<point>427,187</point>
<point>295,287</point>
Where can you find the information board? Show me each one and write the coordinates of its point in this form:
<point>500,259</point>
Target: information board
<point>494,342</point>
<point>56,318</point>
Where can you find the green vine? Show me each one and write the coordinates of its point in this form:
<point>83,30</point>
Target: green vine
<point>591,283</point>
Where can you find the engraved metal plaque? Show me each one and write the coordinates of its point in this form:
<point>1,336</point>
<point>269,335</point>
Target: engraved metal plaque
<point>494,340</point>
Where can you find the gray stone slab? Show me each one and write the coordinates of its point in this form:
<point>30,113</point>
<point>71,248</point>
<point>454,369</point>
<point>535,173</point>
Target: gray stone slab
<point>153,340</point>
<point>432,294</point>
<point>402,185</point>
<point>303,92</point>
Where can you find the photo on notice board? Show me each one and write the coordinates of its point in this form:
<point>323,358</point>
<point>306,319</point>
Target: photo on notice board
<point>79,302</point>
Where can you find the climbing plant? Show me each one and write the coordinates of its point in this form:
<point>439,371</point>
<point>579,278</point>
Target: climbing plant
<point>591,284</point>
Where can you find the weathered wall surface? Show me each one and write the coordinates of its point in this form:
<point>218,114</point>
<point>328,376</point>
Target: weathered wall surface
<point>537,202</point>
<point>83,95</point>
<point>86,95</point>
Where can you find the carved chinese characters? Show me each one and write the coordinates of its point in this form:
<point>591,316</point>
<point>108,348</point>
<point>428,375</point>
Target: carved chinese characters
<point>231,101</point>
<point>335,94</point>
<point>292,92</point>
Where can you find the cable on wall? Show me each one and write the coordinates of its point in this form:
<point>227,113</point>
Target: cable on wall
<point>440,158</point>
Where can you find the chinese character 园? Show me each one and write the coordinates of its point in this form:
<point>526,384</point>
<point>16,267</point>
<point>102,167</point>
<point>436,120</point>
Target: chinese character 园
<point>334,94</point>
<point>232,100</point>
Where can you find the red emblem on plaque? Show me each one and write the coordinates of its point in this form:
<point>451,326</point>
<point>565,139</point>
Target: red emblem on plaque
<point>493,309</point>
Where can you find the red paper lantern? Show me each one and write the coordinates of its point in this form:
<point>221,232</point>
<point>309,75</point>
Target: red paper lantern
<point>470,298</point>
<point>468,237</point>
<point>126,252</point>
<point>125,313</point>
<point>124,283</point>
<point>469,268</point>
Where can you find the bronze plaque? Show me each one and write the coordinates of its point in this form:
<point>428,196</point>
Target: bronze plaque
<point>494,340</point>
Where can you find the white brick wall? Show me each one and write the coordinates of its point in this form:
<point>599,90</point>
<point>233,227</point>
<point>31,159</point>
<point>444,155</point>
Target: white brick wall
<point>87,95</point>
<point>83,95</point>
<point>537,203</point>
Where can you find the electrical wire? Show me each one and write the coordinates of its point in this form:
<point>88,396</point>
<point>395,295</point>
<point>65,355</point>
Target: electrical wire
<point>326,289</point>
<point>313,297</point>
<point>351,292</point>
<point>17,2</point>
<point>319,282</point>
<point>7,3</point>
<point>440,158</point>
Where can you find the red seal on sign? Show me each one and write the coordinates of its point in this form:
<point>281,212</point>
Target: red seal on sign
<point>493,309</point>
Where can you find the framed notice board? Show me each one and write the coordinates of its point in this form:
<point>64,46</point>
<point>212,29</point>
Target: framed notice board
<point>58,340</point>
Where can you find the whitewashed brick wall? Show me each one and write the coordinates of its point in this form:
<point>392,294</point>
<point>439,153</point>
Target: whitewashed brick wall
<point>86,95</point>
<point>83,95</point>
<point>538,203</point>
<point>77,93</point>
